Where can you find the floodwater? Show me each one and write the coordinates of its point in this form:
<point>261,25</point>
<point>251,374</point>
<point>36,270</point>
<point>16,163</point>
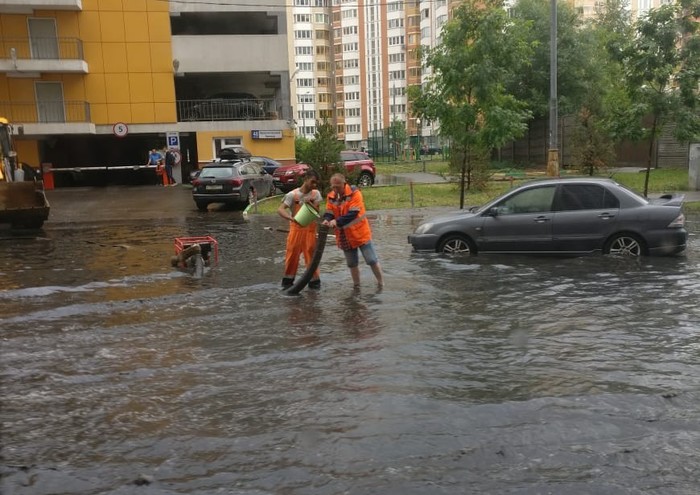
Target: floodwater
<point>120,375</point>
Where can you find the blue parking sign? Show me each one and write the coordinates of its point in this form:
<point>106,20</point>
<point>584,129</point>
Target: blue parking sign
<point>173,140</point>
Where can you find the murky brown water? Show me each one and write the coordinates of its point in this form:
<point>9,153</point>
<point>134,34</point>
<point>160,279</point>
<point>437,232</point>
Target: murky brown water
<point>494,375</point>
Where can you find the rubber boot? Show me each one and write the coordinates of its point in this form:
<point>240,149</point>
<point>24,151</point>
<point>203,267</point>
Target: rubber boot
<point>287,282</point>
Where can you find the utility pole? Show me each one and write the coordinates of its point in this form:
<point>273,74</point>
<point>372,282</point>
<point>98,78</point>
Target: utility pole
<point>553,152</point>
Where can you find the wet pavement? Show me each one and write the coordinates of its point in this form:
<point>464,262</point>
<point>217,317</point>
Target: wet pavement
<point>120,375</point>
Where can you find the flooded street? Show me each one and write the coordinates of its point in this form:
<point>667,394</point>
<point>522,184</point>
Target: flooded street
<point>493,375</point>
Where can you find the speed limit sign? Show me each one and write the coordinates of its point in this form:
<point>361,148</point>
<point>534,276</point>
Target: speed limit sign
<point>120,129</point>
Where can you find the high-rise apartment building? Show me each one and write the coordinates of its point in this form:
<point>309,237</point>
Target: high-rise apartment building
<point>92,85</point>
<point>354,62</point>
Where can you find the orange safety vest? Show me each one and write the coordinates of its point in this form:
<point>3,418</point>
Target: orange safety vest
<point>356,233</point>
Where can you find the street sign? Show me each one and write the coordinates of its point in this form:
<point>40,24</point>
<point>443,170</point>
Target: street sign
<point>178,156</point>
<point>173,140</point>
<point>265,134</point>
<point>120,129</point>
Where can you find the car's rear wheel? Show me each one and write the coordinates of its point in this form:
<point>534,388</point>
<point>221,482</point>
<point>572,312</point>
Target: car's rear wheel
<point>625,244</point>
<point>456,245</point>
<point>202,206</point>
<point>365,180</point>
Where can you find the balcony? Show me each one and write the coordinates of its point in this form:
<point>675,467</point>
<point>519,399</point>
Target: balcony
<point>27,57</point>
<point>29,6</point>
<point>226,109</point>
<point>48,117</point>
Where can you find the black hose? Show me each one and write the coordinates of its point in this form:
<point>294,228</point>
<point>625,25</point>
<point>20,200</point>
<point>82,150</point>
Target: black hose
<point>315,260</point>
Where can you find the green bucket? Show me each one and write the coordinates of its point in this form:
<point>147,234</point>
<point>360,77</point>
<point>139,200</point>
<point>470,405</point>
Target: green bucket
<point>306,215</point>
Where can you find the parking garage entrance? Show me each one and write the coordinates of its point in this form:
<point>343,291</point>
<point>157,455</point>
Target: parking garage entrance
<point>103,160</point>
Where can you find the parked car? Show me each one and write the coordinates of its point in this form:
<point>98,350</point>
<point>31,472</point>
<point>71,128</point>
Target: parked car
<point>268,164</point>
<point>235,152</point>
<point>357,163</point>
<point>231,182</point>
<point>430,150</point>
<point>228,106</point>
<point>561,216</point>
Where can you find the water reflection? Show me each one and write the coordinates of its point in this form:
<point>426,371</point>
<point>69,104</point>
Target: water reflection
<point>504,374</point>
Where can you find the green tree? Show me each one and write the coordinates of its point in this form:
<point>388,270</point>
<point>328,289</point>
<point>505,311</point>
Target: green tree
<point>398,134</point>
<point>601,40</point>
<point>481,53</point>
<point>323,153</point>
<point>301,145</point>
<point>574,58</point>
<point>662,69</point>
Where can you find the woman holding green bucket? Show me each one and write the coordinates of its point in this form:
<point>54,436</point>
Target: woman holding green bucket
<point>300,207</point>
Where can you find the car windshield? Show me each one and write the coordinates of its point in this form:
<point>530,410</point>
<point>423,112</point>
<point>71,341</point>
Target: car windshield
<point>216,172</point>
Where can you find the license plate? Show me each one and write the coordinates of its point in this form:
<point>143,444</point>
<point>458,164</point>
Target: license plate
<point>214,188</point>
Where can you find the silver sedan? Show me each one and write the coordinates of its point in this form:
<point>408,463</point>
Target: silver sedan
<point>561,216</point>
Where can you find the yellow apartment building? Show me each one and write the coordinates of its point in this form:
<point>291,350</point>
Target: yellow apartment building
<point>91,86</point>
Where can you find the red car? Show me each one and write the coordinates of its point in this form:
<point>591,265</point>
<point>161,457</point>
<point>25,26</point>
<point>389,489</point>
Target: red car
<point>357,163</point>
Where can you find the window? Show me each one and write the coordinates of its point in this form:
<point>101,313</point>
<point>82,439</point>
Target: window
<point>394,6</point>
<point>348,30</point>
<point>305,83</point>
<point>397,75</point>
<point>395,23</point>
<point>302,34</point>
<point>303,50</point>
<point>395,40</point>
<point>536,200</point>
<point>585,197</point>
<point>305,65</point>
<point>302,17</point>
<point>349,14</point>
<point>351,63</point>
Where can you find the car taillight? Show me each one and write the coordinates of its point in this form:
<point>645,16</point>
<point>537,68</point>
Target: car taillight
<point>195,183</point>
<point>678,222</point>
<point>236,182</point>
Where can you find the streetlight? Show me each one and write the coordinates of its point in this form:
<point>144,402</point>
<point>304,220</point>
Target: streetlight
<point>553,153</point>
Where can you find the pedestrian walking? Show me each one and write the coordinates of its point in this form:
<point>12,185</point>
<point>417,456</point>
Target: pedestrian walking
<point>345,211</point>
<point>301,240</point>
<point>169,164</point>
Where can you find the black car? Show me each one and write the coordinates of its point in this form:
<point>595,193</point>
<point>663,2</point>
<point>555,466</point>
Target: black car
<point>231,182</point>
<point>228,106</point>
<point>561,216</point>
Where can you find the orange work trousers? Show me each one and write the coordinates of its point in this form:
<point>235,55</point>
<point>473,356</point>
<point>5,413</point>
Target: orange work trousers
<point>300,240</point>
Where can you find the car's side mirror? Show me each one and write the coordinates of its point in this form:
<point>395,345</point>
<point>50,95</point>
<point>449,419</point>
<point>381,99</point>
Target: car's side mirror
<point>493,211</point>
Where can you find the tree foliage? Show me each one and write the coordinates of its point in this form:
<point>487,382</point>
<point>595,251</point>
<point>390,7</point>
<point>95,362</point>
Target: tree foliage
<point>662,73</point>
<point>480,54</point>
<point>323,153</point>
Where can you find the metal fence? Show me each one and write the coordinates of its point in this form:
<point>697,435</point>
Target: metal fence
<point>382,147</point>
<point>229,109</point>
<point>33,112</point>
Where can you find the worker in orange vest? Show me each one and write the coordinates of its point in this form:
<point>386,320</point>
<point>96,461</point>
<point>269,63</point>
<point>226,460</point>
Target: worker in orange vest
<point>300,240</point>
<point>345,211</point>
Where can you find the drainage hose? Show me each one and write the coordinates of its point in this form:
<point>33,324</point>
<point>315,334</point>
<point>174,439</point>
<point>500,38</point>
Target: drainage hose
<point>315,260</point>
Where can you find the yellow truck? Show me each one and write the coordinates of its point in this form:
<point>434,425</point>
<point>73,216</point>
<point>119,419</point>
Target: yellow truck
<point>23,203</point>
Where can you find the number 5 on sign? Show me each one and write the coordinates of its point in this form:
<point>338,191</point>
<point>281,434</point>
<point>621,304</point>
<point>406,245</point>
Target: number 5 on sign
<point>120,129</point>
